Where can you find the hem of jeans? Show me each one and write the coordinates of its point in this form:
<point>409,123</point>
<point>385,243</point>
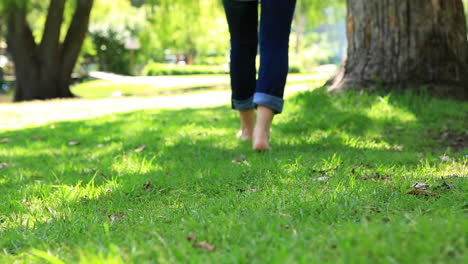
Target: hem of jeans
<point>243,105</point>
<point>273,102</point>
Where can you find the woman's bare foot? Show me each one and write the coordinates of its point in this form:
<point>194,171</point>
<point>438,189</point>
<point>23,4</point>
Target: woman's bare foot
<point>247,119</point>
<point>261,134</point>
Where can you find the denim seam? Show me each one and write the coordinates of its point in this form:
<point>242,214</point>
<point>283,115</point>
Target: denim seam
<point>242,105</point>
<point>273,102</point>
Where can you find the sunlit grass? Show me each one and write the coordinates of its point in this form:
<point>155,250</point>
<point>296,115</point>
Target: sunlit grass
<point>100,89</point>
<point>333,190</point>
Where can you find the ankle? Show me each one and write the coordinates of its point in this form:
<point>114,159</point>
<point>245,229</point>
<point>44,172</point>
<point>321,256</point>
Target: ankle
<point>247,130</point>
<point>247,120</point>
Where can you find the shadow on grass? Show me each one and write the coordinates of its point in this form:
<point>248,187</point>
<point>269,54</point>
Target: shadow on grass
<point>187,162</point>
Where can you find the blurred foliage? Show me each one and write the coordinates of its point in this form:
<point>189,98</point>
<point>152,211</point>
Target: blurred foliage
<point>160,69</point>
<point>195,31</point>
<point>168,31</point>
<point>113,23</point>
<point>156,69</point>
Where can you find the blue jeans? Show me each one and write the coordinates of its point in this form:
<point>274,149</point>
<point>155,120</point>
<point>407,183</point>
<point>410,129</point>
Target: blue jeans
<point>273,35</point>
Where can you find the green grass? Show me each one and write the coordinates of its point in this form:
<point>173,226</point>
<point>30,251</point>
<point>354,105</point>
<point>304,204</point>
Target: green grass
<point>101,89</point>
<point>272,207</point>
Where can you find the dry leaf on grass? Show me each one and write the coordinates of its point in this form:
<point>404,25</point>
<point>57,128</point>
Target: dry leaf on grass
<point>205,245</point>
<point>444,185</point>
<point>457,140</point>
<point>421,186</point>
<point>285,215</point>
<point>26,202</point>
<point>192,237</point>
<point>239,159</point>
<point>4,140</point>
<point>255,189</point>
<point>140,149</point>
<point>321,179</point>
<point>3,165</point>
<point>398,148</point>
<point>116,217</point>
<point>73,143</point>
<point>328,170</point>
<point>376,176</point>
<point>423,192</point>
<point>445,158</point>
<point>148,186</point>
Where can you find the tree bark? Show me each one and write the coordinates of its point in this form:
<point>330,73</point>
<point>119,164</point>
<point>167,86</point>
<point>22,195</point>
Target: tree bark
<point>43,71</point>
<point>406,45</point>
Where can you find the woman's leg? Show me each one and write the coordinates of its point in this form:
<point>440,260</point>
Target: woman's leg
<point>275,28</point>
<point>261,134</point>
<point>242,19</point>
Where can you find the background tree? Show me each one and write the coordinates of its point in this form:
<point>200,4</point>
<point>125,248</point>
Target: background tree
<point>309,14</point>
<point>193,28</point>
<point>43,67</point>
<point>166,29</point>
<point>406,44</point>
<point>108,36</point>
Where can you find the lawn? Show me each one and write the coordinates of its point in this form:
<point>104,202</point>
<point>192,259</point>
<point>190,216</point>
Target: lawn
<point>175,186</point>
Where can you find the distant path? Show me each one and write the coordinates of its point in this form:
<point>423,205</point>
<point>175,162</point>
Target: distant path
<point>165,81</point>
<point>21,115</point>
<point>196,80</point>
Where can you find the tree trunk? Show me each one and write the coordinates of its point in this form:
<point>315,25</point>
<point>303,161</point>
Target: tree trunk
<point>406,44</point>
<point>43,71</point>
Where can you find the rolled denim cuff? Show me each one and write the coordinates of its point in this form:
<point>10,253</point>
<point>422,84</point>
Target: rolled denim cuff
<point>270,101</point>
<point>243,105</point>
